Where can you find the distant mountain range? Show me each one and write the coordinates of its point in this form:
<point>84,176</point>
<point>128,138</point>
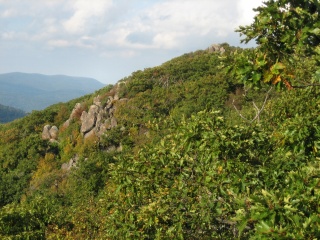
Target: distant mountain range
<point>29,92</point>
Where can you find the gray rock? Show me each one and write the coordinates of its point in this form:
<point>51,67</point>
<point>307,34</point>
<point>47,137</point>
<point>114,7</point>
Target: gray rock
<point>50,133</point>
<point>100,117</point>
<point>89,134</point>
<point>97,101</point>
<point>54,132</point>
<point>89,119</point>
<point>216,48</point>
<point>66,123</point>
<point>114,122</point>
<point>110,102</point>
<point>76,111</point>
<point>116,96</point>
<point>71,164</point>
<point>46,132</point>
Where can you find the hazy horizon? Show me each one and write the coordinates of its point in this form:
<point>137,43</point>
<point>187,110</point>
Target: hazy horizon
<point>107,39</point>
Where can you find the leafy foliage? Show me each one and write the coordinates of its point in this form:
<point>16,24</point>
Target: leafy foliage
<point>181,163</point>
<point>287,32</point>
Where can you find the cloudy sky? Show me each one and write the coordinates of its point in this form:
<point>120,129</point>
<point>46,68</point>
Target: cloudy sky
<point>109,39</point>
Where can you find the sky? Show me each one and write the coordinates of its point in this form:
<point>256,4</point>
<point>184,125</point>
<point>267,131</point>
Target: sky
<point>109,39</point>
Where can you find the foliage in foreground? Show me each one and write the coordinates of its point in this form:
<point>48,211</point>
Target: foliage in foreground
<point>192,167</point>
<point>204,180</point>
<point>207,180</point>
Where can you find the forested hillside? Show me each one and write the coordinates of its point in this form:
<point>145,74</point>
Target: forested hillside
<point>8,114</point>
<point>221,143</point>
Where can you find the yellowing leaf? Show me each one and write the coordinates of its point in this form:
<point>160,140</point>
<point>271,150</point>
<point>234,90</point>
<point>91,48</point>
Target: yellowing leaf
<point>265,193</point>
<point>278,79</point>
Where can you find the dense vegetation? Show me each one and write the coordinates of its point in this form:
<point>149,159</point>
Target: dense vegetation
<point>209,151</point>
<point>8,114</point>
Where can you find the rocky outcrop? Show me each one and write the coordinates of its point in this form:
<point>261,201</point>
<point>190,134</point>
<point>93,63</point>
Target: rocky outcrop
<point>98,119</point>
<point>89,119</point>
<point>76,113</point>
<point>50,133</point>
<point>216,48</point>
<point>95,122</point>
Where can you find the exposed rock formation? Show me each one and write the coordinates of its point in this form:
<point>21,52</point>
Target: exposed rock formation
<point>76,113</point>
<point>50,133</point>
<point>216,48</point>
<point>89,119</point>
<point>95,122</point>
<point>99,117</point>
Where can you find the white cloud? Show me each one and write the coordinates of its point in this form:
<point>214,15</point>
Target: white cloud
<point>159,24</point>
<point>171,24</point>
<point>245,8</point>
<point>58,43</point>
<point>8,13</point>
<point>118,30</point>
<point>86,13</point>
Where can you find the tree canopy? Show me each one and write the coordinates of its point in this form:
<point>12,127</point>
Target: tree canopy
<point>286,32</point>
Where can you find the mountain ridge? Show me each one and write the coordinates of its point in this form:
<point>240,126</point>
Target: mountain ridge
<point>8,114</point>
<point>34,91</point>
<point>169,152</point>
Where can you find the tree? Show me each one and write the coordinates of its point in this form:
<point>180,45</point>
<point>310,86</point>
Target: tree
<point>287,33</point>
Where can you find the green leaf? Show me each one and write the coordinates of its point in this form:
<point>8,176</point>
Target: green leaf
<point>256,77</point>
<point>315,31</point>
<point>263,227</point>
<point>242,225</point>
<point>278,66</point>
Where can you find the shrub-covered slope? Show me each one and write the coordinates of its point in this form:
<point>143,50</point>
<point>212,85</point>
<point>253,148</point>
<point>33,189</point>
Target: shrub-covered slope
<point>187,165</point>
<point>201,147</point>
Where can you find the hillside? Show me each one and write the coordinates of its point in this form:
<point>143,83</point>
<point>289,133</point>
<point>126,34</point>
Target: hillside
<point>170,135</point>
<point>36,91</point>
<point>8,114</point>
<point>222,143</point>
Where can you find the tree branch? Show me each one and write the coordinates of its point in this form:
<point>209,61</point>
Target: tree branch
<point>308,85</point>
<point>258,111</point>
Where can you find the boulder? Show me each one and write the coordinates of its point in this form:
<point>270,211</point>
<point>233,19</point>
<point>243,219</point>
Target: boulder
<point>88,120</point>
<point>76,111</point>
<point>110,102</point>
<point>50,133</point>
<point>89,134</point>
<point>216,48</point>
<point>46,132</point>
<point>54,132</point>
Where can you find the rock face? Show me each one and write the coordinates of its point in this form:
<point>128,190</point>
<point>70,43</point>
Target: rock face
<point>89,119</point>
<point>50,133</point>
<point>98,119</point>
<point>95,122</point>
<point>216,48</point>
<point>76,112</point>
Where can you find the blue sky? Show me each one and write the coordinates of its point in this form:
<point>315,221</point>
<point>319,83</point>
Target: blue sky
<point>109,39</point>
